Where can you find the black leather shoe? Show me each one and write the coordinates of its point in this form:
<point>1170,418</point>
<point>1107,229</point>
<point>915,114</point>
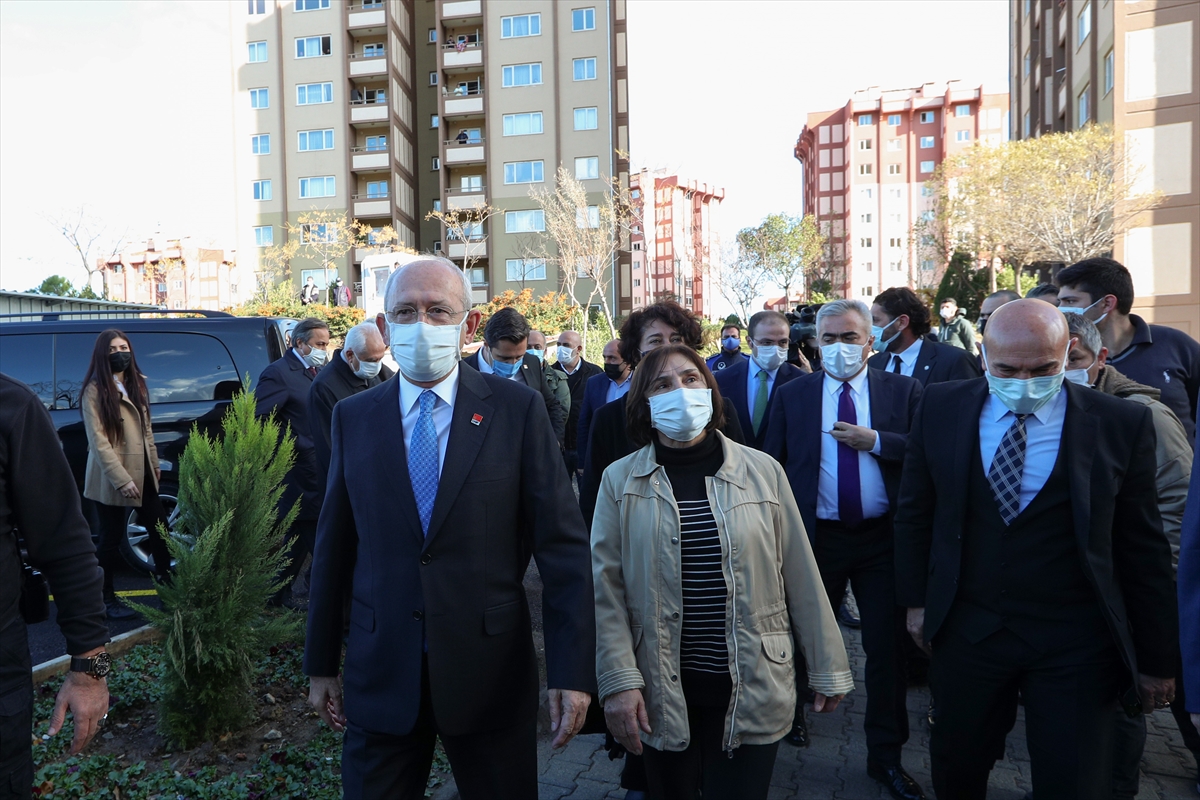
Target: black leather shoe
<point>115,609</point>
<point>848,618</point>
<point>898,782</point>
<point>798,737</point>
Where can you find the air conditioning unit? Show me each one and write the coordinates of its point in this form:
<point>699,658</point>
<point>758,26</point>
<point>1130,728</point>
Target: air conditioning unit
<point>437,247</point>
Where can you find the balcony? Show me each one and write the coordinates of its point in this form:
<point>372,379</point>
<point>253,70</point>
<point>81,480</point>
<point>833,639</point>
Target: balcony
<point>475,248</point>
<point>369,158</point>
<point>464,151</point>
<point>462,102</point>
<point>366,16</point>
<point>371,113</point>
<point>462,8</point>
<point>368,65</point>
<point>372,205</point>
<point>462,54</point>
<point>466,198</point>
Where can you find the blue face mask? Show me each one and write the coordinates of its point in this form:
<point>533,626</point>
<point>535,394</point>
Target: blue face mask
<point>880,344</point>
<point>505,370</point>
<point>731,343</point>
<point>540,355</point>
<point>1025,395</point>
<point>1083,311</point>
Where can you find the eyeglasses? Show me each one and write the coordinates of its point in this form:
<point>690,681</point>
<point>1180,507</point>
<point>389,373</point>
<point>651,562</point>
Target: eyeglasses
<point>437,315</point>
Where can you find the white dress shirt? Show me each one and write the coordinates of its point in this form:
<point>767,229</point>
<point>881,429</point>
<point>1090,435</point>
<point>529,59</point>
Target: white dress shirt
<point>1043,432</point>
<point>443,410</point>
<point>870,476</point>
<point>908,359</point>
<point>300,358</point>
<point>752,384</point>
<point>616,390</point>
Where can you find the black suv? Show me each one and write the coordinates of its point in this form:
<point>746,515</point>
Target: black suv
<point>193,365</point>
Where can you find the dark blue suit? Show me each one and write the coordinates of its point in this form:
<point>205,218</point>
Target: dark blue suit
<point>1189,590</point>
<point>732,381</point>
<point>595,394</point>
<point>283,388</point>
<point>936,363</point>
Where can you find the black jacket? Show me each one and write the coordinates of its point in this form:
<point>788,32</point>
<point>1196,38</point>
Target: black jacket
<point>283,387</point>
<point>936,363</point>
<point>333,383</point>
<point>1109,444</point>
<point>577,381</point>
<point>733,384</point>
<point>531,375</point>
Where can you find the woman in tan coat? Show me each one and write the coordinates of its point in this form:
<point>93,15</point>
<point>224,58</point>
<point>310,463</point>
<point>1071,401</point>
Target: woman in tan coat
<point>122,465</point>
<point>707,594</point>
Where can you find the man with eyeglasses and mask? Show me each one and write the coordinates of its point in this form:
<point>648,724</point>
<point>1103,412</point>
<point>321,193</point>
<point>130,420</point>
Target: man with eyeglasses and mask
<point>899,323</point>
<point>1035,564</point>
<point>430,521</point>
<point>752,384</point>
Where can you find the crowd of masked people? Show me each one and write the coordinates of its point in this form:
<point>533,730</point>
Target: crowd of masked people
<point>1011,505</point>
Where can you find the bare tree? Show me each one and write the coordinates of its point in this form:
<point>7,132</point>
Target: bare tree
<point>91,239</point>
<point>741,280</point>
<point>468,226</point>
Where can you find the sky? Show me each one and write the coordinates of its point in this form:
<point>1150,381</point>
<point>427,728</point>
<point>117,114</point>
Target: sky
<point>124,107</point>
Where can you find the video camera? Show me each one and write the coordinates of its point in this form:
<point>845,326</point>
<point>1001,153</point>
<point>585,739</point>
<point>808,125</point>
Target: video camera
<point>803,322</point>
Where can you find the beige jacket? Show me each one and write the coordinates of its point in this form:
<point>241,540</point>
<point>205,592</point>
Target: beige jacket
<point>776,596</point>
<point>110,466</point>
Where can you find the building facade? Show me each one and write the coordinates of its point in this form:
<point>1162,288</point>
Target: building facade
<point>865,168</point>
<point>174,274</point>
<point>1134,66</point>
<point>386,111</point>
<point>677,246</point>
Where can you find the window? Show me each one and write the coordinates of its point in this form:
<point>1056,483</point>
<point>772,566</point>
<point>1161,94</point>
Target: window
<point>317,187</point>
<point>434,121</point>
<point>962,136</point>
<point>433,79</point>
<point>523,25</point>
<point>258,52</point>
<point>893,145</point>
<point>437,205</point>
<point>435,164</point>
<point>1028,68</point>
<point>181,367</point>
<point>927,215</point>
<point>373,50</point>
<point>522,75</point>
<point>895,194</point>
<point>316,140</point>
<point>589,218</point>
<point>927,117</point>
<point>894,120</point>
<point>864,218</point>
<point>375,95</point>
<point>1085,24</point>
<point>262,190</point>
<point>1109,72</point>
<point>260,144</point>
<point>264,236</point>
<point>926,166</point>
<point>866,119</point>
<point>962,110</point>
<point>432,35</point>
<point>587,168</point>
<point>311,5</point>
<point>308,94</point>
<point>1026,124</point>
<point>524,221</point>
<point>523,172</point>
<point>927,264</point>
<point>894,242</point>
<point>523,124</point>
<point>585,69</point>
<point>926,142</point>
<point>312,232</point>
<point>1083,110</point>
<point>927,190</point>
<point>864,169</point>
<point>864,144</point>
<point>256,7</point>
<point>377,189</point>
<point>314,46</point>
<point>866,194</point>
<point>893,169</point>
<point>259,98</point>
<point>586,119</point>
<point>583,19</point>
<point>524,269</point>
<point>866,241</point>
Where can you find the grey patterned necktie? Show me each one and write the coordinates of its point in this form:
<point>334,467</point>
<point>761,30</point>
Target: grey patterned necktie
<point>1006,470</point>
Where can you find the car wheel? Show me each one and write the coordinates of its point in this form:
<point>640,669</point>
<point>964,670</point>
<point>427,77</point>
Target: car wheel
<point>136,547</point>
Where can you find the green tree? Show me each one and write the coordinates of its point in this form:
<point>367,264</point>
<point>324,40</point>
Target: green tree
<point>786,250</point>
<point>56,286</point>
<point>550,313</point>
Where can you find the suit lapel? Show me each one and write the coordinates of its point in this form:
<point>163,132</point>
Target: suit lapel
<point>926,358</point>
<point>810,419</point>
<point>965,444</point>
<point>741,397</point>
<point>879,400</point>
<point>1080,426</point>
<point>469,422</point>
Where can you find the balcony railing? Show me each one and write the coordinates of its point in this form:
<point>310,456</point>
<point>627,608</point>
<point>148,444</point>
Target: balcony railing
<point>368,54</point>
<point>463,141</point>
<point>377,148</point>
<point>471,41</point>
<point>370,196</point>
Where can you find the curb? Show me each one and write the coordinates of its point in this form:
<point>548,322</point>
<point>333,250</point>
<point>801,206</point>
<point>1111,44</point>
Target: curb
<point>118,645</point>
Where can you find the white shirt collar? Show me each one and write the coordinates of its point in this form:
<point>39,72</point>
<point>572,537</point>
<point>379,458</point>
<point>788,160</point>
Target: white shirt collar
<point>911,353</point>
<point>410,394</point>
<point>300,358</point>
<point>857,384</point>
<point>578,364</point>
<point>996,410</point>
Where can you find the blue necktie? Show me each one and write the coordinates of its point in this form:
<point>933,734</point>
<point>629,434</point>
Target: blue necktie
<point>423,460</point>
<point>850,510</point>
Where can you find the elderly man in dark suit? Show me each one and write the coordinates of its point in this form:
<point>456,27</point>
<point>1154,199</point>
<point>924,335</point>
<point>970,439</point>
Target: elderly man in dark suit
<point>1035,564</point>
<point>840,435</point>
<point>577,369</point>
<point>505,341</point>
<point>283,389</point>
<point>435,502</point>
<point>900,321</point>
<point>356,367</point>
<point>752,384</point>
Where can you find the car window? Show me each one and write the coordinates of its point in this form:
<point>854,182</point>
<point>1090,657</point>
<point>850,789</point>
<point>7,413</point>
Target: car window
<point>29,359</point>
<point>72,353</point>
<point>182,367</point>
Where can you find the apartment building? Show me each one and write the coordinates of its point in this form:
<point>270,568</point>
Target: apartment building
<point>387,110</point>
<point>677,246</point>
<point>1133,65</point>
<point>174,273</point>
<point>865,169</point>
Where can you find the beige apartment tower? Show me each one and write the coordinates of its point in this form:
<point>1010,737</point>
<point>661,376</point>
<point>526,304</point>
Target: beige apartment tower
<point>387,110</point>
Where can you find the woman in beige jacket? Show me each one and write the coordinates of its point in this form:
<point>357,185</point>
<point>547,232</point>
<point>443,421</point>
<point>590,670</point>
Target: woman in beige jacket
<point>707,593</point>
<point>122,465</point>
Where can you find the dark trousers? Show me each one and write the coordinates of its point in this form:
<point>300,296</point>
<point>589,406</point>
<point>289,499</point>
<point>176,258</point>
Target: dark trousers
<point>16,713</point>
<point>1070,695</point>
<point>114,525</point>
<point>864,556</point>
<point>703,769</point>
<point>493,765</point>
<point>303,535</point>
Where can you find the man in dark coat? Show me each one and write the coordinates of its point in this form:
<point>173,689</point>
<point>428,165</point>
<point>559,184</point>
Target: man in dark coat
<point>752,384</point>
<point>577,369</point>
<point>900,323</point>
<point>356,367</point>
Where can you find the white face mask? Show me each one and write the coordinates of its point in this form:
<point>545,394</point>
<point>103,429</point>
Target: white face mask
<point>425,352</point>
<point>681,414</point>
<point>368,369</point>
<point>315,358</point>
<point>770,358</point>
<point>948,313</point>
<point>1083,311</point>
<point>842,360</point>
<point>1025,395</point>
<point>565,355</point>
<point>1080,376</point>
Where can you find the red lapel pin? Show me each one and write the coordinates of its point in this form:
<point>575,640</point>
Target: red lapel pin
<point>476,419</point>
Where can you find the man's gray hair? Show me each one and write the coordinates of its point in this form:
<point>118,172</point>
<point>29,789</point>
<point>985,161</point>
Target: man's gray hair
<point>305,328</point>
<point>356,338</point>
<point>840,308</point>
<point>1085,330</point>
<point>394,278</point>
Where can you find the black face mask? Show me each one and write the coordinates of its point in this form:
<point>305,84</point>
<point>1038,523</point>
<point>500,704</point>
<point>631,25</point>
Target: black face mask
<point>120,360</point>
<point>613,371</point>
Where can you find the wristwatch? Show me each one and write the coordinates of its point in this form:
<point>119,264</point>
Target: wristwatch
<point>97,666</point>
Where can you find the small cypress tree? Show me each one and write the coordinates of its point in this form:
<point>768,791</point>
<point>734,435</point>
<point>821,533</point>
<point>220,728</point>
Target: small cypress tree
<point>229,554</point>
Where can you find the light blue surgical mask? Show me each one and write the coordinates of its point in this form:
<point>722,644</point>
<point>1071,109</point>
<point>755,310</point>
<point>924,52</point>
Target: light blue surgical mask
<point>540,355</point>
<point>880,343</point>
<point>1074,310</point>
<point>1025,395</point>
<point>505,370</point>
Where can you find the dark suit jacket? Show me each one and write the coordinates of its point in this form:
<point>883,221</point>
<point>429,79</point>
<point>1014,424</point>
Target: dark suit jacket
<point>733,384</point>
<point>531,375</point>
<point>936,363</point>
<point>460,588</point>
<point>794,433</point>
<point>609,442</point>
<point>283,387</point>
<point>1109,447</point>
<point>577,381</point>
<point>333,383</point>
<point>595,395</point>
<point>1189,588</point>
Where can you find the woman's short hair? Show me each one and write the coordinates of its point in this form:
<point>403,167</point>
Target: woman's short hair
<point>671,313</point>
<point>637,402</point>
